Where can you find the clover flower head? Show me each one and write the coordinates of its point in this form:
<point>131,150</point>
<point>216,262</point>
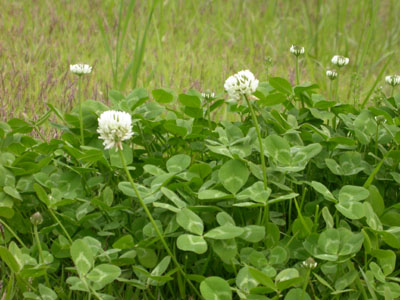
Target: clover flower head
<point>392,80</point>
<point>340,61</point>
<point>242,83</point>
<point>80,69</point>
<point>331,74</point>
<point>309,263</point>
<point>114,127</point>
<point>297,50</point>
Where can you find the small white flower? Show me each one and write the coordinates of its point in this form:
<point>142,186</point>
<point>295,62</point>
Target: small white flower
<point>331,74</point>
<point>242,83</point>
<point>80,69</point>
<point>340,61</point>
<point>296,50</point>
<point>393,80</point>
<point>208,95</point>
<point>114,127</point>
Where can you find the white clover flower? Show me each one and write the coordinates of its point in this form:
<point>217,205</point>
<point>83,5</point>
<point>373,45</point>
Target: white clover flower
<point>309,263</point>
<point>114,127</point>
<point>296,50</point>
<point>393,80</point>
<point>242,83</point>
<point>331,74</point>
<point>340,61</point>
<point>80,69</point>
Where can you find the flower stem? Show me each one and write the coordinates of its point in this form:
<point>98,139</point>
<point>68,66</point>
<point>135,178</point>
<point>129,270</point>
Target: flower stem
<point>337,88</point>
<point>61,225</point>
<point>41,258</point>
<point>13,233</point>
<point>297,71</point>
<point>305,284</point>
<point>152,221</point>
<point>392,93</point>
<point>80,109</point>
<point>262,158</point>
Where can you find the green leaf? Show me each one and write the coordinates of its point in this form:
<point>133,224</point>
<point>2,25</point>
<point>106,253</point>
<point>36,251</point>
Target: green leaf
<point>225,249</point>
<point>164,95</point>
<point>256,192</point>
<point>329,241</point>
<point>351,209</point>
<point>225,232</point>
<point>173,197</point>
<point>193,243</point>
<point>296,294</point>
<point>159,270</point>
<point>108,196</point>
<point>190,221</point>
<point>353,193</point>
<point>189,100</point>
<point>212,195</point>
<point>278,255</point>
<point>281,85</point>
<point>124,242</point>
<point>147,257</point>
<point>82,256</point>
<point>41,193</point>
<point>262,278</point>
<point>322,189</point>
<point>215,288</point>
<point>244,280</point>
<point>278,149</point>
<point>376,200</point>
<point>178,163</point>
<point>47,293</point>
<point>104,274</point>
<point>233,175</point>
<point>253,233</point>
<point>345,280</point>
<point>9,259</point>
<point>386,260</point>
<point>273,99</point>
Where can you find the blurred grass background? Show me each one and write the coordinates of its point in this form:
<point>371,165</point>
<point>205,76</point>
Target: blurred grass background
<point>190,44</point>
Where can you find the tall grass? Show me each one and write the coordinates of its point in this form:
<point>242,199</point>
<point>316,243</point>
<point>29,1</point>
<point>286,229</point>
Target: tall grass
<point>189,44</point>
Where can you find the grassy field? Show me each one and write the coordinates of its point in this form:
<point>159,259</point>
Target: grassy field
<point>191,44</point>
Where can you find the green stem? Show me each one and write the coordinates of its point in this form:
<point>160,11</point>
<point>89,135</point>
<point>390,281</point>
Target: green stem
<point>262,158</point>
<point>209,114</point>
<point>80,109</point>
<point>152,221</point>
<point>41,258</point>
<point>337,88</point>
<point>297,71</point>
<point>13,233</point>
<point>61,225</point>
<point>392,93</point>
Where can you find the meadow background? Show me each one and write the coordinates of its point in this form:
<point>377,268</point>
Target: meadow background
<point>190,44</point>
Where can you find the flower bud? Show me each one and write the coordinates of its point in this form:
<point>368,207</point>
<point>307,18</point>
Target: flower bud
<point>309,263</point>
<point>297,50</point>
<point>36,219</point>
<point>393,80</point>
<point>340,61</point>
<point>331,74</point>
<point>208,95</point>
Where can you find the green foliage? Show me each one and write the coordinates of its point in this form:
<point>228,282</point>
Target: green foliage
<point>332,228</point>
